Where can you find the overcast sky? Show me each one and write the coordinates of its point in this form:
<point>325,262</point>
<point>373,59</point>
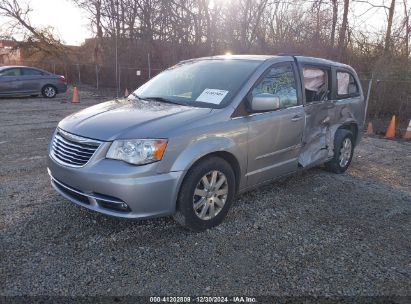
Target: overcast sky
<point>69,21</point>
<point>72,25</point>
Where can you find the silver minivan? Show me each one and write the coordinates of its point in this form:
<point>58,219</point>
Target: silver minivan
<point>190,139</point>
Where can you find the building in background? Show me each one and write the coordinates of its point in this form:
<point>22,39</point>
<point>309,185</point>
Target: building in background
<point>9,54</point>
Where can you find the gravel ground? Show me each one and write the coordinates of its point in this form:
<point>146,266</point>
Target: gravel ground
<point>314,233</point>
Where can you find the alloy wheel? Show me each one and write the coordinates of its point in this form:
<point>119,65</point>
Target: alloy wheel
<point>49,92</point>
<point>345,152</point>
<point>210,195</point>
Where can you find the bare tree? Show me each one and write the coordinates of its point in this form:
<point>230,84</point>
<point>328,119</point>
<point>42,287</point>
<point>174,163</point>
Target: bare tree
<point>343,29</point>
<point>172,30</point>
<point>407,29</point>
<point>94,8</point>
<point>34,39</point>
<point>391,11</point>
<point>334,22</point>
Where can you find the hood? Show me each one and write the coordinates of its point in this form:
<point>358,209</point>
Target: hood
<point>124,119</point>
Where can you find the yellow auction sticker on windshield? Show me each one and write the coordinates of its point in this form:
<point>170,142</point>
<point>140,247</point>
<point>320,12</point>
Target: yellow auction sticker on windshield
<point>212,96</point>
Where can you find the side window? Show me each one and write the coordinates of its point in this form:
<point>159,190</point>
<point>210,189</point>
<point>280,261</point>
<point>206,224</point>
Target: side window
<point>346,85</point>
<point>315,84</point>
<point>279,82</point>
<point>11,72</point>
<point>32,72</point>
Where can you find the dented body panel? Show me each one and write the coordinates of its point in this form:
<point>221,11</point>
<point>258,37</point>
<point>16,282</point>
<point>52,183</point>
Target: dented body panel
<point>324,118</point>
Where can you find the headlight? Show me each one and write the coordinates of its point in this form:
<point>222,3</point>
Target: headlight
<point>137,151</point>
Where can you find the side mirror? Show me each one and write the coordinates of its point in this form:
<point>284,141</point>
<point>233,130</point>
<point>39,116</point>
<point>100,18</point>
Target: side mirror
<point>265,102</point>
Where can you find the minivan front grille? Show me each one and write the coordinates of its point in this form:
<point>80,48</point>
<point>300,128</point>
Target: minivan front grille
<point>72,150</point>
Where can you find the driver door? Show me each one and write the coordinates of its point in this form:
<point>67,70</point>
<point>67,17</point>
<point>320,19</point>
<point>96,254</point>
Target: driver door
<point>274,138</point>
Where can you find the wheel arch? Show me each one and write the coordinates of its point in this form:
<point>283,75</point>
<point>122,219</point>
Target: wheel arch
<point>225,155</point>
<point>352,127</point>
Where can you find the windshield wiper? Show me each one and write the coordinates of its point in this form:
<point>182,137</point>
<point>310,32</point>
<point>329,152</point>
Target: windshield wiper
<point>136,96</point>
<point>161,99</point>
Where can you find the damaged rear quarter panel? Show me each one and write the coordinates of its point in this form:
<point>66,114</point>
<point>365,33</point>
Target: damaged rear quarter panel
<point>324,118</point>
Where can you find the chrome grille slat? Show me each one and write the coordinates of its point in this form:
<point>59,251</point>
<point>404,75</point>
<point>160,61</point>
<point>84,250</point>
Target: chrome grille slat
<point>65,147</point>
<point>63,151</point>
<point>84,147</point>
<point>65,159</point>
<point>80,153</point>
<point>72,150</point>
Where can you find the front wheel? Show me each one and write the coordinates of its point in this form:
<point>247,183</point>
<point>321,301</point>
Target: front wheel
<point>49,91</point>
<point>343,152</point>
<point>206,194</point>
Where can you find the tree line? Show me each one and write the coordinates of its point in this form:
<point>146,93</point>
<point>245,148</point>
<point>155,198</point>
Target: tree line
<point>249,26</point>
<point>172,30</point>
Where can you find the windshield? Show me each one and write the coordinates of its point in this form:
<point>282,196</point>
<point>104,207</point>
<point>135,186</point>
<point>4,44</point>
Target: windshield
<point>205,83</point>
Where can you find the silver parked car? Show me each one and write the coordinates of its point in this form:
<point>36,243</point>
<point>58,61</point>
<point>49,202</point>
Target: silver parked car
<point>186,142</point>
<point>22,80</point>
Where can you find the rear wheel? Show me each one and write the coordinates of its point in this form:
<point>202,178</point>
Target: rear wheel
<point>49,91</point>
<point>206,194</point>
<point>343,152</point>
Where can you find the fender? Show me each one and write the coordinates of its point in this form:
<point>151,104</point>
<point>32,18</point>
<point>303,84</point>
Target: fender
<point>204,146</point>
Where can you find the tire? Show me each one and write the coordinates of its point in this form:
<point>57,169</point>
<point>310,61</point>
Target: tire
<point>49,91</point>
<point>213,199</point>
<point>343,143</point>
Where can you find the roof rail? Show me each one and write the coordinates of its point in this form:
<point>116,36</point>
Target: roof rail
<point>289,54</point>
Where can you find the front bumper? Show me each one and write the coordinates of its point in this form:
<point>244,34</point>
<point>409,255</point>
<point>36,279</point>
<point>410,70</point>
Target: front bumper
<point>105,185</point>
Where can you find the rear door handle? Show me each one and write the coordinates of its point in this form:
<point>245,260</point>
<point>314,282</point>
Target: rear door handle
<point>296,118</point>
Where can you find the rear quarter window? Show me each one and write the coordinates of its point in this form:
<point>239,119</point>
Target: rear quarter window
<point>347,86</point>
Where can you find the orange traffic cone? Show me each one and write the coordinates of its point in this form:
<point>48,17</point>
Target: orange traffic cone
<point>75,99</point>
<point>407,134</point>
<point>391,129</point>
<point>370,129</point>
<point>126,93</point>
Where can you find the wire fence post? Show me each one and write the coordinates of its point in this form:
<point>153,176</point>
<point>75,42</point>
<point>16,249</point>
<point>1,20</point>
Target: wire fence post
<point>368,97</point>
<point>79,74</point>
<point>119,78</point>
<point>149,65</point>
<point>97,71</point>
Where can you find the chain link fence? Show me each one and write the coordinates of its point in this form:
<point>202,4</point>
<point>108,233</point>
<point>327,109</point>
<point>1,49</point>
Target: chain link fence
<point>388,96</point>
<point>98,75</point>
